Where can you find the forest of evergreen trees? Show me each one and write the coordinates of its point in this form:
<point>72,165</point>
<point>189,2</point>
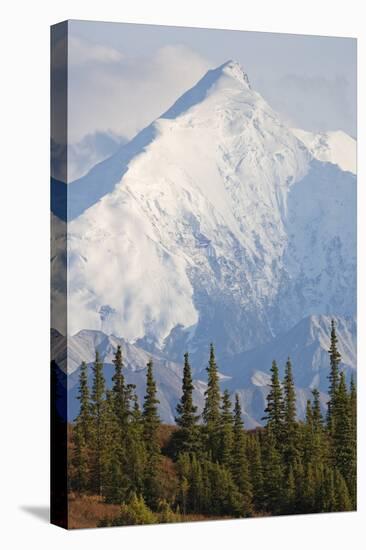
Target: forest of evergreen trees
<point>209,464</point>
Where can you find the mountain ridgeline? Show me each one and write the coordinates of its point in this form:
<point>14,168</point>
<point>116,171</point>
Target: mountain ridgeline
<point>209,465</point>
<point>216,221</point>
<point>246,374</point>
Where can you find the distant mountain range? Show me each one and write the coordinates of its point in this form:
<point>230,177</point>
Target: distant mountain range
<point>217,222</point>
<point>248,374</point>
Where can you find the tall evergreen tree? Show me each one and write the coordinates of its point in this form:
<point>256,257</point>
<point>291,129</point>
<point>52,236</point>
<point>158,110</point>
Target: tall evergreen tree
<point>290,431</point>
<point>82,431</point>
<point>318,445</point>
<point>254,455</point>
<point>335,359</point>
<point>344,452</point>
<point>272,474</point>
<point>80,460</point>
<point>211,411</point>
<point>353,407</point>
<point>84,416</point>
<point>353,419</point>
<point>97,407</point>
<point>239,461</point>
<point>136,448</point>
<point>119,388</point>
<point>316,411</point>
<point>151,422</point>
<point>274,412</point>
<point>116,485</point>
<point>313,435</point>
<point>226,429</point>
<point>343,501</point>
<point>186,417</point>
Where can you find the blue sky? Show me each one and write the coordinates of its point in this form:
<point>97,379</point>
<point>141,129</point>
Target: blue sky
<point>122,76</point>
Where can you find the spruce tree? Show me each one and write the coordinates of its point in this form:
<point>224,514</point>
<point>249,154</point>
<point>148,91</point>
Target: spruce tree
<point>84,416</point>
<point>119,389</point>
<point>97,408</point>
<point>136,448</point>
<point>316,411</point>
<point>335,359</point>
<point>196,485</point>
<point>328,501</point>
<point>353,419</point>
<point>289,505</point>
<point>226,429</point>
<point>116,485</point>
<point>82,432</point>
<point>343,501</point>
<point>186,419</point>
<point>353,407</point>
<point>211,411</point>
<point>239,461</point>
<point>307,439</point>
<point>272,474</point>
<point>151,422</point>
<point>290,432</point>
<point>344,456</point>
<point>80,460</point>
<point>318,436</point>
<point>254,456</point>
<point>274,412</point>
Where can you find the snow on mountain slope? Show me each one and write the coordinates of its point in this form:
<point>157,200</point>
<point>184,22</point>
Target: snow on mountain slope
<point>336,147</point>
<point>214,223</point>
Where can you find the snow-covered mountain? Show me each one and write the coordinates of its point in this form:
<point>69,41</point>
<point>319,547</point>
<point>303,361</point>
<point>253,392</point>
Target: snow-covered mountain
<point>246,374</point>
<point>214,223</point>
<point>336,147</point>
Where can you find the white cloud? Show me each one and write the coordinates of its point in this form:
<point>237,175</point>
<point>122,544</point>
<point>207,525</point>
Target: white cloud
<point>112,92</point>
<point>81,51</point>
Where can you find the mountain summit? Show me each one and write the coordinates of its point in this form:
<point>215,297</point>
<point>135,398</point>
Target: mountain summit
<point>214,223</point>
<point>229,77</point>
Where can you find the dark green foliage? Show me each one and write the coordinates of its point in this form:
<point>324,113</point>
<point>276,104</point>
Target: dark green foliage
<point>344,457</point>
<point>314,443</point>
<point>211,411</point>
<point>226,430</point>
<point>150,423</point>
<point>98,424</point>
<point>84,417</point>
<point>80,461</point>
<point>353,419</point>
<point>120,394</point>
<point>290,427</point>
<point>254,455</point>
<point>82,432</point>
<point>217,468</point>
<point>150,416</point>
<point>274,412</point>
<point>239,461</point>
<point>273,474</point>
<point>335,359</point>
<point>187,439</point>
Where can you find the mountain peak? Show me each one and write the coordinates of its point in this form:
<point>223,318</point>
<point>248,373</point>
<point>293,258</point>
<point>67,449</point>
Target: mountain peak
<point>229,75</point>
<point>234,70</point>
